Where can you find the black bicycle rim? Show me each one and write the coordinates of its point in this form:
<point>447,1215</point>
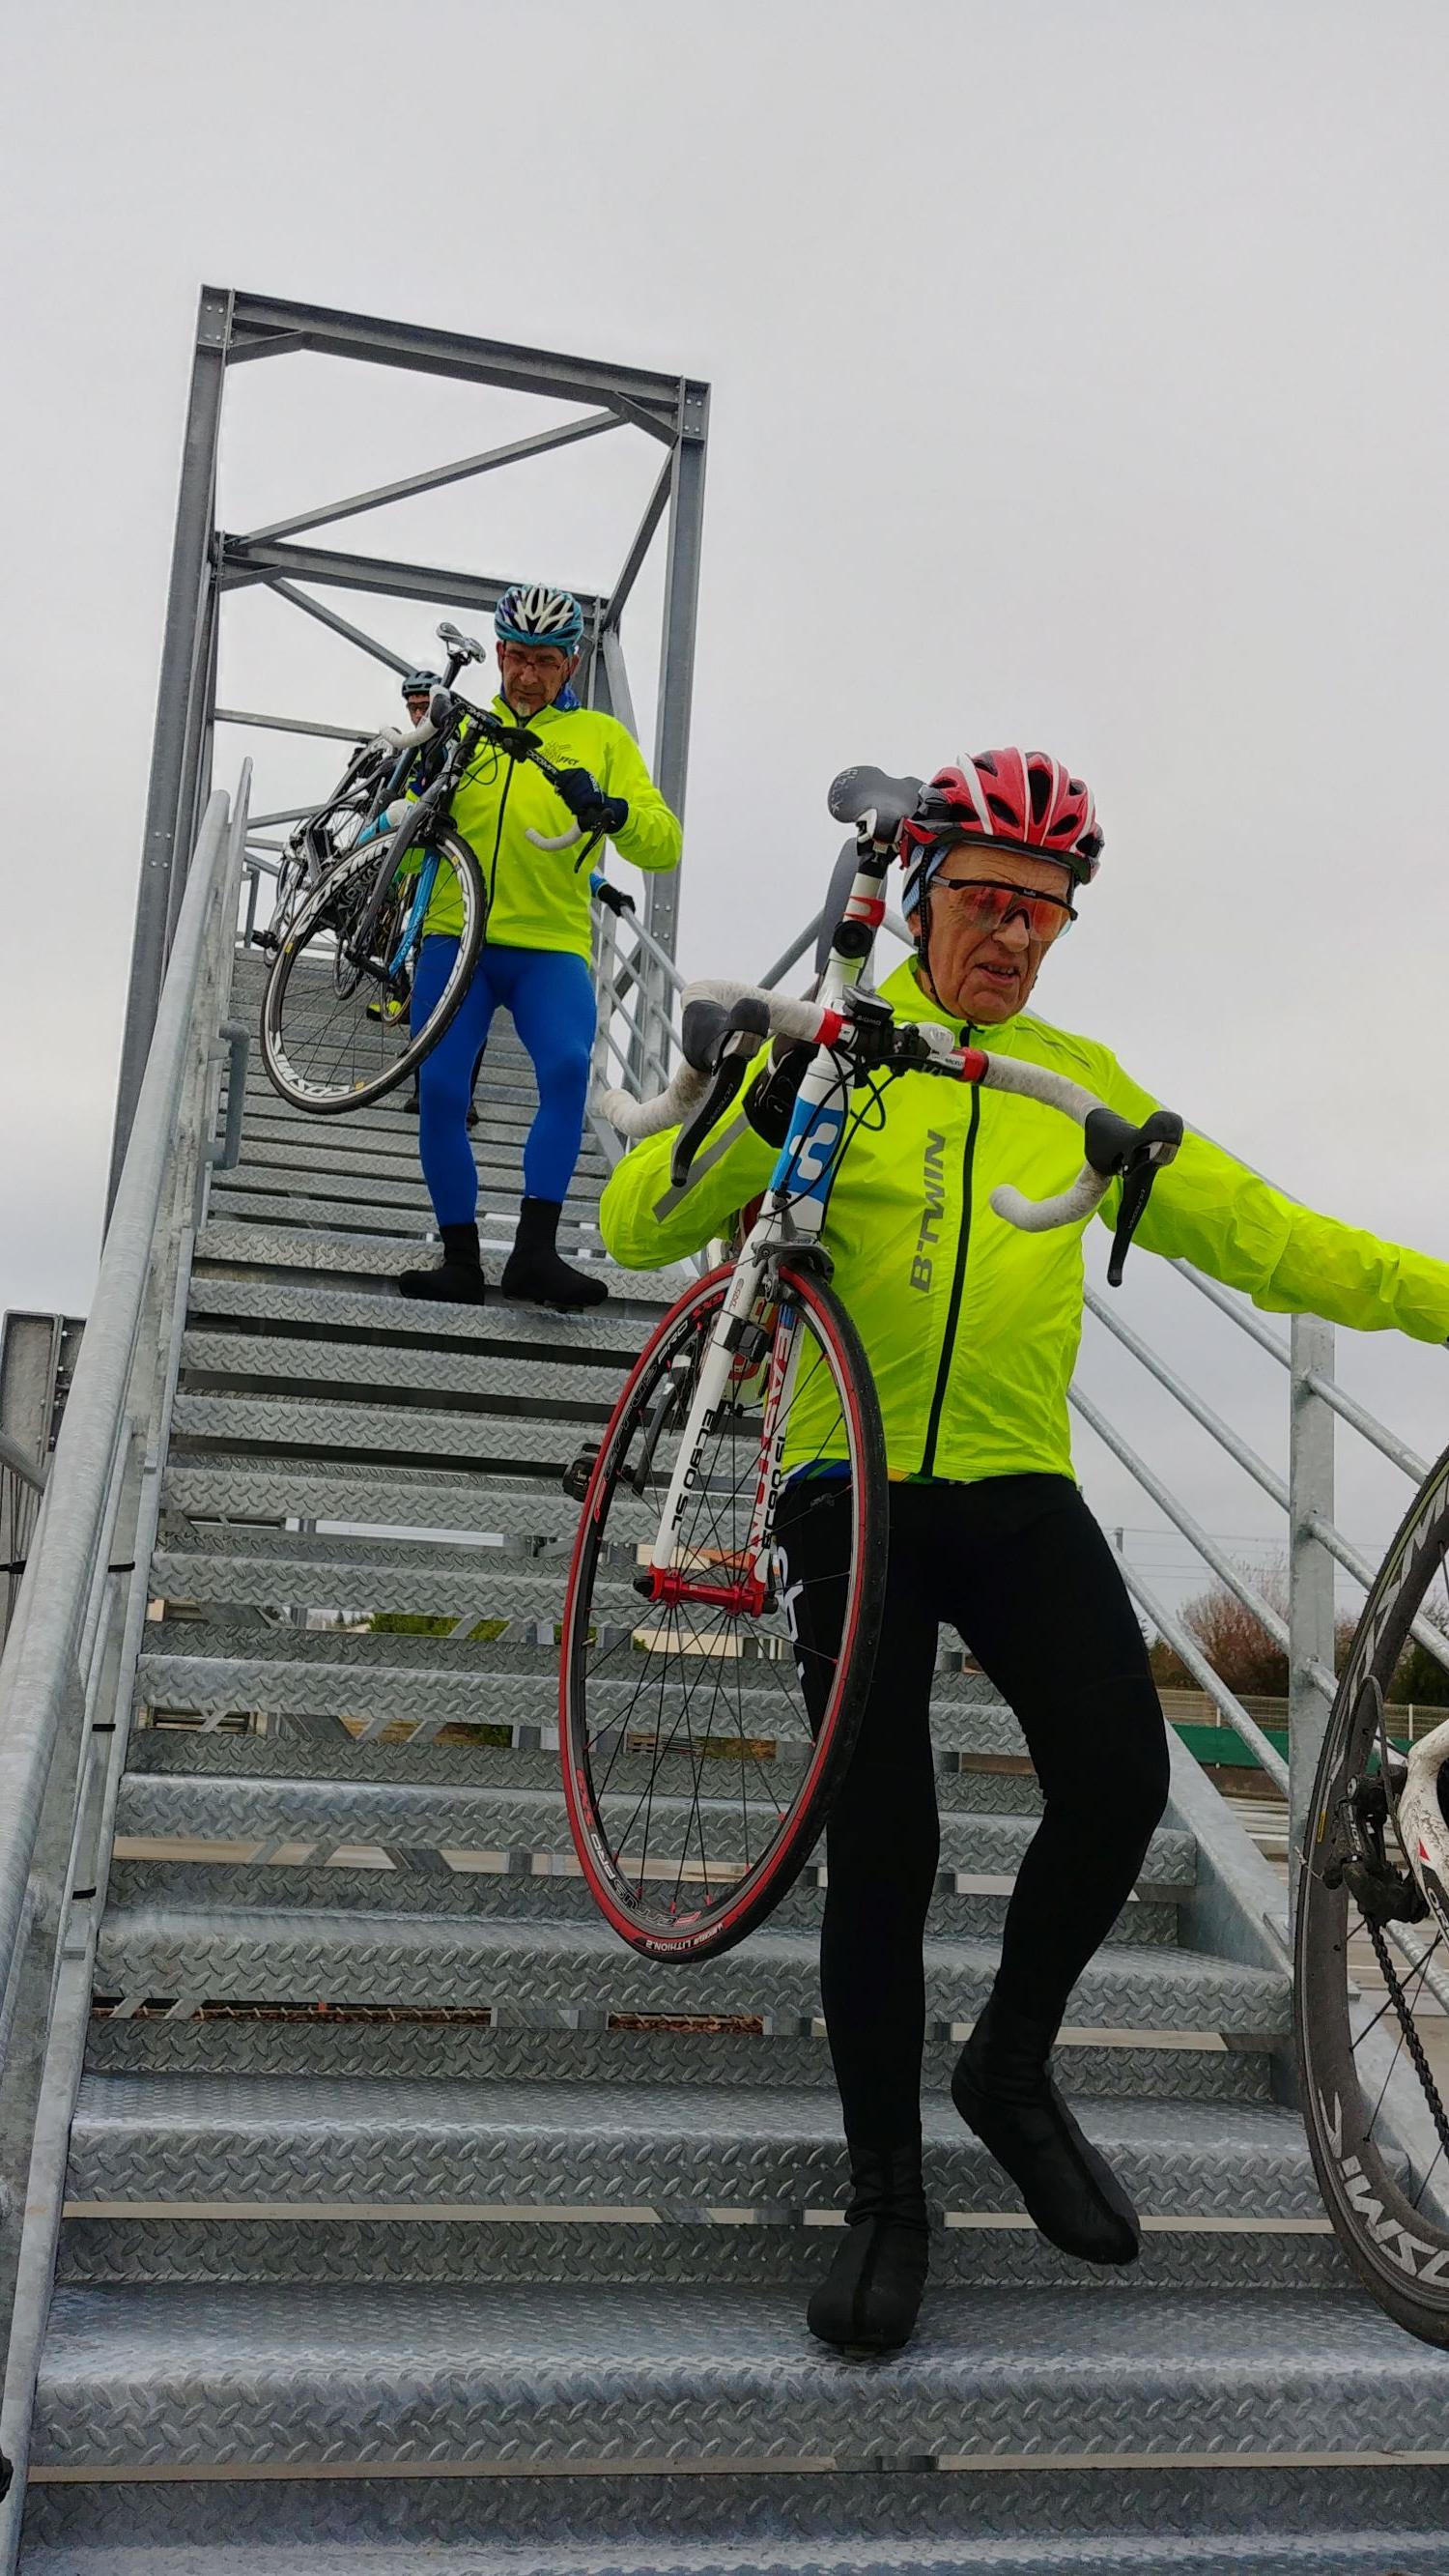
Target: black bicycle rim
<point>697,1786</point>
<point>323,1049</point>
<point>1375,2070</point>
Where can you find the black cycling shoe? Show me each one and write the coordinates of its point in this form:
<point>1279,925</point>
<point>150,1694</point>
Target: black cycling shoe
<point>870,2298</point>
<point>458,1280</point>
<point>472,1115</point>
<point>1003,2091</point>
<point>533,1268</point>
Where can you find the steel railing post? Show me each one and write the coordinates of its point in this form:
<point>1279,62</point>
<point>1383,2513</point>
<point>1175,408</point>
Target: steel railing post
<point>1310,1572</point>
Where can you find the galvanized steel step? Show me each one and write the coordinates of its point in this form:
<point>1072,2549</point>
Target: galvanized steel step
<point>255,1244</point>
<point>517,1825</point>
<point>502,1328</point>
<point>324,1750</point>
<point>458,1379</point>
<point>292,2378</point>
<point>384,1495</point>
<point>355,1212</point>
<point>463,2046</point>
<point>175,2179</point>
<point>579,1974</point>
<point>294,1841</point>
<point>346,1162</point>
<point>183,2147</point>
<point>380,1432</point>
<point>1166,2519</point>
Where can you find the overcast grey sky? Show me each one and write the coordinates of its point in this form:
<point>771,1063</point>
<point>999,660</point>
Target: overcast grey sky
<point>1079,378</point>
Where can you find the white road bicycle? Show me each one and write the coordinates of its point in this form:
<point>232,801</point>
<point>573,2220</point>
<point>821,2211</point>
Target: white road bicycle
<point>701,1738</point>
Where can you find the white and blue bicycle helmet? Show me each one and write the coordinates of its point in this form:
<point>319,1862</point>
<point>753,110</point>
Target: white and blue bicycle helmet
<point>531,613</point>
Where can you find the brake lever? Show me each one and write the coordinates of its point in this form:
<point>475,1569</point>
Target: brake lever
<point>1138,1154</point>
<point>749,1023</point>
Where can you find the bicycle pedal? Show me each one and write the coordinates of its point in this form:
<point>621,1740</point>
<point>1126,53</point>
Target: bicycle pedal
<point>575,1477</point>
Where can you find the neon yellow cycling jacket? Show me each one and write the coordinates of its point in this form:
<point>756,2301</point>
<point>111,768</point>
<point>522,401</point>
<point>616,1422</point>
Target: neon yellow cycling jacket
<point>970,1325</point>
<point>540,898</point>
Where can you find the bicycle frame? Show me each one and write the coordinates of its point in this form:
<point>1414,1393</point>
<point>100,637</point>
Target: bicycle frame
<point>790,1223</point>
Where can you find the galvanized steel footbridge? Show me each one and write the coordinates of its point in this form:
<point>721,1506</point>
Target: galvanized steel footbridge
<point>364,2203</point>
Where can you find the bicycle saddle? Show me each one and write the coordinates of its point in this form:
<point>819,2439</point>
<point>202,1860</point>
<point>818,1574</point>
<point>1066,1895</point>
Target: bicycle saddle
<point>871,801</point>
<point>448,634</point>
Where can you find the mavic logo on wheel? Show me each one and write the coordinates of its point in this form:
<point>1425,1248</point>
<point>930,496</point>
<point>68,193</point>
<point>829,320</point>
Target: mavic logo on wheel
<point>934,1179</point>
<point>1420,2261</point>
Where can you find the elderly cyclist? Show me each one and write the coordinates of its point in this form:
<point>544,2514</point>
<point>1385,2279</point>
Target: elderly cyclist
<point>535,956</point>
<point>972,1328</point>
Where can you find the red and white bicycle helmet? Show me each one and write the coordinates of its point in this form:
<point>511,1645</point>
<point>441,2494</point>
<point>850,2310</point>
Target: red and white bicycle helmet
<point>1010,800</point>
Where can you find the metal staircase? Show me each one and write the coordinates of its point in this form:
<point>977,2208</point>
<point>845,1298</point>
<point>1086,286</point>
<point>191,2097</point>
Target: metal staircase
<point>411,2220</point>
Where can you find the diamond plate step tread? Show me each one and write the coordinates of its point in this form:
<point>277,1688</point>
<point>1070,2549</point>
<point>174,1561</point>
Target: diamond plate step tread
<point>1041,2521</point>
<point>568,1386</point>
<point>328,1752</point>
<point>411,2146</point>
<point>237,2040</point>
<point>213,1577</point>
<point>176,2378</point>
<point>382,1256</point>
<point>329,1815</point>
<point>951,1688</point>
<point>569,2250</point>
<point>391,1197</point>
<point>504,1442</point>
<point>964,1906</point>
<point>343,1160</point>
<point>501,1327</point>
<point>1361,2553</point>
<point>462,1685</point>
<point>507,1109</point>
<point>545,1971</point>
<point>390,1495</point>
<point>405,1222</point>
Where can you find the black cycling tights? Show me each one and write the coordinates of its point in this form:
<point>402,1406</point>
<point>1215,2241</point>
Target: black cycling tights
<point>1020,1569</point>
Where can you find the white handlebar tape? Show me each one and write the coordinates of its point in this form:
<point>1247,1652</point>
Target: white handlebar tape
<point>1068,1207</point>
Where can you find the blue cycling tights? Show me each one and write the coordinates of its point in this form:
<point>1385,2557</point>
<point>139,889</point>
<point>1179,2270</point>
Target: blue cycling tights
<point>550,993</point>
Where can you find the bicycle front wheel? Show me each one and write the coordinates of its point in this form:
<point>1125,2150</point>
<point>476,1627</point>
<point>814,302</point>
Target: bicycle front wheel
<point>338,1028</point>
<point>1371,1968</point>
<point>703,1733</point>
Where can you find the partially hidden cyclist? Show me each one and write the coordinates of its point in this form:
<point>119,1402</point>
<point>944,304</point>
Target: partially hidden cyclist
<point>971,1328</point>
<point>535,955</point>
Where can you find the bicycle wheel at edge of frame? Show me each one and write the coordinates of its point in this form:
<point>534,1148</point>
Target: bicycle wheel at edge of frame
<point>362,1095</point>
<point>835,1741</point>
<point>1380,2230</point>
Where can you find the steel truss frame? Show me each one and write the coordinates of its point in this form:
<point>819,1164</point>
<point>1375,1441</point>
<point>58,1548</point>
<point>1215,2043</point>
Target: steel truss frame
<point>234,329</point>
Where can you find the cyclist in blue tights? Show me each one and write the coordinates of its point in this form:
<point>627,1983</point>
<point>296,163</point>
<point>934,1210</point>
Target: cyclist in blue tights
<point>534,961</point>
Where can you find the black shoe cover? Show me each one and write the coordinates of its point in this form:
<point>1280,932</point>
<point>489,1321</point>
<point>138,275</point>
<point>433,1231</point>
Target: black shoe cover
<point>1003,2091</point>
<point>458,1280</point>
<point>870,2298</point>
<point>534,1270</point>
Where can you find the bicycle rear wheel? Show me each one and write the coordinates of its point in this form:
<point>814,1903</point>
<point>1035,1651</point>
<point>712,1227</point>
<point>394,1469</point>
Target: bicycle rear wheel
<point>333,1034</point>
<point>702,1737</point>
<point>1371,1966</point>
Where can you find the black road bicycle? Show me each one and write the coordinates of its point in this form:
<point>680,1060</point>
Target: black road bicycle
<point>339,1023</point>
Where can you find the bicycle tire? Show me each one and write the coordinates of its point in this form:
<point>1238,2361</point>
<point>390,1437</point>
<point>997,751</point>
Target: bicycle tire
<point>1346,2051</point>
<point>320,1050</point>
<point>675,1927</point>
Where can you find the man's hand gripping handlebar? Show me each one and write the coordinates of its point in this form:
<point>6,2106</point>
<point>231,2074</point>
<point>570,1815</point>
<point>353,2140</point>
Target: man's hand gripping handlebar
<point>725,1024</point>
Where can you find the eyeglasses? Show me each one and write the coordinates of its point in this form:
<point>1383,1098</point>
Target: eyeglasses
<point>992,904</point>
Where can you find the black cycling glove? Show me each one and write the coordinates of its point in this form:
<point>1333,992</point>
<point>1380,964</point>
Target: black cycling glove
<point>771,1096</point>
<point>588,804</point>
<point>614,896</point>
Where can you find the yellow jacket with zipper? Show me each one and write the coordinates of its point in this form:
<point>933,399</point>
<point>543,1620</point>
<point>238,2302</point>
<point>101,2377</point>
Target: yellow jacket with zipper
<point>540,898</point>
<point>970,1325</point>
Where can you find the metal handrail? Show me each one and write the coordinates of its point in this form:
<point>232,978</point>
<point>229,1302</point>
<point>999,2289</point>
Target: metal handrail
<point>66,1675</point>
<point>16,1462</point>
